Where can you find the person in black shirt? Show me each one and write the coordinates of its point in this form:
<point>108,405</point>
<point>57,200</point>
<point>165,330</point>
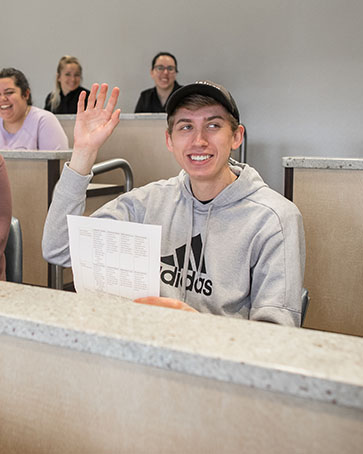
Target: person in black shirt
<point>64,98</point>
<point>164,68</point>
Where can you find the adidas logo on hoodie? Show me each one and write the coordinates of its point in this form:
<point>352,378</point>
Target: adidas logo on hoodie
<point>171,269</point>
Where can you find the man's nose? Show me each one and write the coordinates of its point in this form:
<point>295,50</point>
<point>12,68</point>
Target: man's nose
<point>200,138</point>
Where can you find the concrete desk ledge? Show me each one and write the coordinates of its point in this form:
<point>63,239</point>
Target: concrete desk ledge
<point>125,116</point>
<point>298,362</point>
<point>48,155</point>
<point>322,163</point>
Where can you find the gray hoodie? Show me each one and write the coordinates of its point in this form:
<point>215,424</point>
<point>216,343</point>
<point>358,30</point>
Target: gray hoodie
<point>240,255</point>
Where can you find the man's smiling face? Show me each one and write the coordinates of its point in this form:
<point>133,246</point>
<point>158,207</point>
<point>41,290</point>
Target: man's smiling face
<point>201,141</point>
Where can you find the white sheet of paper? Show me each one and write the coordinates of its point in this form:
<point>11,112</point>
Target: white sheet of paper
<point>117,257</point>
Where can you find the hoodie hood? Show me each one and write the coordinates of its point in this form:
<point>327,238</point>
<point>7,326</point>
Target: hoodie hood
<point>247,183</point>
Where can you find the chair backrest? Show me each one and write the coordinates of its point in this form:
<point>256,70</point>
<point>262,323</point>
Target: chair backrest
<point>14,253</point>
<point>305,300</point>
<point>116,163</point>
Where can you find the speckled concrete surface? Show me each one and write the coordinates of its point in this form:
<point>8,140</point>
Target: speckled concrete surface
<point>299,362</point>
<point>37,154</point>
<point>322,163</point>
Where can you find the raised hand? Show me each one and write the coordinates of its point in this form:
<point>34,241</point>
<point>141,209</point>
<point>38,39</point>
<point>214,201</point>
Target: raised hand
<point>93,126</point>
<point>165,302</point>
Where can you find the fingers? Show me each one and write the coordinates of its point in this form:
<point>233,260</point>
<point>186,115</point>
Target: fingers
<point>113,99</point>
<point>101,98</point>
<point>98,102</point>
<point>165,302</point>
<point>92,96</point>
<point>114,120</point>
<point>156,301</point>
<point>80,104</point>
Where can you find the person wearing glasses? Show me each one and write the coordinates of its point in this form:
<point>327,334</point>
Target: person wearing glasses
<point>164,68</point>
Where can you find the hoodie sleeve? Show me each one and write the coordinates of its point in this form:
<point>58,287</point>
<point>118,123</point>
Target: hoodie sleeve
<point>277,277</point>
<point>69,198</point>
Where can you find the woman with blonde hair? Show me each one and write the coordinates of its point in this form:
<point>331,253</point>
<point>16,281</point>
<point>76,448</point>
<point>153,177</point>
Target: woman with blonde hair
<point>64,98</point>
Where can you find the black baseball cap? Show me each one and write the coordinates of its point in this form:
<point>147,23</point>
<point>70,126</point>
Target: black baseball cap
<point>206,88</point>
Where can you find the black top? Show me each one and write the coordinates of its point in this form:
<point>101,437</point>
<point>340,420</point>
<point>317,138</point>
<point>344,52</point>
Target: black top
<point>68,104</point>
<point>149,101</point>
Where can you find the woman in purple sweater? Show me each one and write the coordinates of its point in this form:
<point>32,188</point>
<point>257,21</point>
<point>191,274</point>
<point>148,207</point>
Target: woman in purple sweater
<point>23,126</point>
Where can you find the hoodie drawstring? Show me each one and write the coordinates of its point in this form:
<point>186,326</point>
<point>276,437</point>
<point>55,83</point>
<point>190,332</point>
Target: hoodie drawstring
<point>206,230</point>
<point>189,247</point>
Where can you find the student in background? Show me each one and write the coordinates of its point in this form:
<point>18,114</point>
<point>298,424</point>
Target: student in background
<point>230,245</point>
<point>63,99</point>
<point>164,68</point>
<point>5,214</point>
<point>23,126</point>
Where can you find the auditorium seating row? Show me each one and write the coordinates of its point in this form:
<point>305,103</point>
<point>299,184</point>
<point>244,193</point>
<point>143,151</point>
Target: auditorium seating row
<point>327,192</point>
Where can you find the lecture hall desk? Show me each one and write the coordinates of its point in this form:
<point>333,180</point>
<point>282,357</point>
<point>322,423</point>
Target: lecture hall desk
<point>33,175</point>
<point>101,374</point>
<point>329,194</point>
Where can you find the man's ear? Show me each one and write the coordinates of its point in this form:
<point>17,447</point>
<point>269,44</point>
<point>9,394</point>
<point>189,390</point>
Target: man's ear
<point>238,137</point>
<point>169,141</point>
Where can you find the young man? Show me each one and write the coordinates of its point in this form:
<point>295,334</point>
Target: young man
<point>230,245</point>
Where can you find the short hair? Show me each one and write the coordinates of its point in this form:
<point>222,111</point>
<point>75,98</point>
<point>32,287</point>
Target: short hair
<point>19,80</point>
<point>195,102</point>
<point>55,98</point>
<point>168,54</point>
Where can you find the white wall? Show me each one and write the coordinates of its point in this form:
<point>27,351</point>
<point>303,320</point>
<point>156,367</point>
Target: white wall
<point>295,67</point>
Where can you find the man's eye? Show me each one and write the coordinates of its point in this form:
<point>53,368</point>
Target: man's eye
<point>185,127</point>
<point>213,125</point>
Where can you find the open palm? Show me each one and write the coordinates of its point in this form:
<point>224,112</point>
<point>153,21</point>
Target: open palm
<point>94,124</point>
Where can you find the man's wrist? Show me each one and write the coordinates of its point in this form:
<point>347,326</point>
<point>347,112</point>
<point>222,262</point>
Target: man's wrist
<point>82,162</point>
